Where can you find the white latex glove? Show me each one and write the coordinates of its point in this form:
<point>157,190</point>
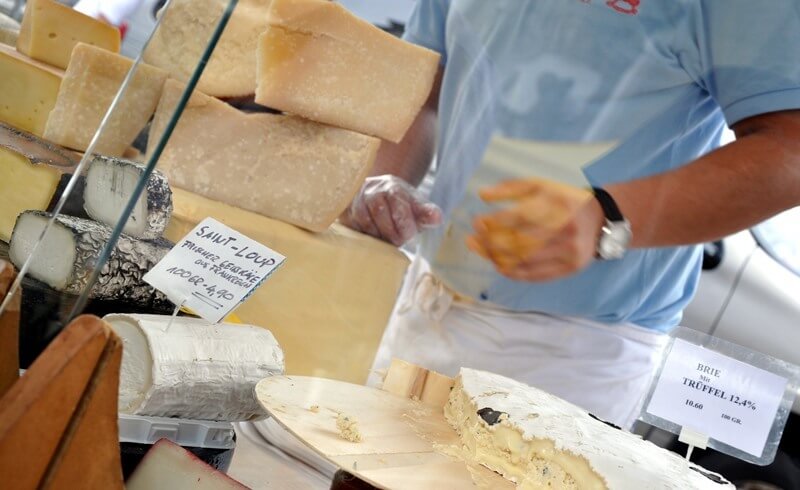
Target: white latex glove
<point>389,208</point>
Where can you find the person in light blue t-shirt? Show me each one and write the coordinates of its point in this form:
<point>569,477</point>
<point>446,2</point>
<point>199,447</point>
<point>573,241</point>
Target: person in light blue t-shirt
<point>645,89</point>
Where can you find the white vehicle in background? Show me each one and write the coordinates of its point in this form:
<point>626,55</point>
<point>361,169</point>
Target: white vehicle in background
<point>749,294</point>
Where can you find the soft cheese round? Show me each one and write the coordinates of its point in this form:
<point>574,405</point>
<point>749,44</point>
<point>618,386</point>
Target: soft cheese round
<point>622,459</point>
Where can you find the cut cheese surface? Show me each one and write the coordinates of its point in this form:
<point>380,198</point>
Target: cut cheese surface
<point>330,305</point>
<point>9,30</point>
<point>186,29</point>
<point>50,30</point>
<point>30,172</point>
<point>28,90</point>
<point>319,61</point>
<point>283,167</point>
<point>91,82</point>
<point>538,440</point>
<point>169,466</point>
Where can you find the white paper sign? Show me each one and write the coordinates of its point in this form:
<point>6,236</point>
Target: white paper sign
<point>716,395</point>
<point>213,269</point>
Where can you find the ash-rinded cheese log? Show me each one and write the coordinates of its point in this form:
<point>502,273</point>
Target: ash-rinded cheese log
<point>33,173</point>
<point>90,84</point>
<point>177,45</point>
<point>283,167</point>
<point>169,466</point>
<point>319,61</point>
<point>109,185</point>
<point>193,369</point>
<point>69,253</point>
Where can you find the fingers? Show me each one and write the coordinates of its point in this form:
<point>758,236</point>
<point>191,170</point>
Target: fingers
<point>381,213</point>
<point>402,216</point>
<point>426,214</point>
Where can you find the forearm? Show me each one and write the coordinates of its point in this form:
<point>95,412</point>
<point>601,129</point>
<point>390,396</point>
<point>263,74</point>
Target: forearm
<point>411,158</point>
<point>728,190</point>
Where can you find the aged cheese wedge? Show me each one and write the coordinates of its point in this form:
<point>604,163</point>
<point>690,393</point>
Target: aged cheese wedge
<point>110,183</point>
<point>330,305</point>
<point>188,368</point>
<point>50,30</point>
<point>169,466</point>
<point>91,82</point>
<point>70,251</point>
<point>540,441</point>
<point>32,174</point>
<point>319,61</point>
<point>187,26</point>
<point>28,90</point>
<point>283,167</point>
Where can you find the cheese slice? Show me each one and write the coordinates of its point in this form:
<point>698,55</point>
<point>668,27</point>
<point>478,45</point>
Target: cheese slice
<point>30,173</point>
<point>538,440</point>
<point>169,466</point>
<point>336,290</point>
<point>319,61</point>
<point>284,167</point>
<point>50,30</point>
<point>28,90</point>
<point>189,368</point>
<point>179,42</point>
<point>90,84</point>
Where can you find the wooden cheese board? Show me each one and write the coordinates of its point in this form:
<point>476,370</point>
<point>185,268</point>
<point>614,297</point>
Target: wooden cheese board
<point>404,443</point>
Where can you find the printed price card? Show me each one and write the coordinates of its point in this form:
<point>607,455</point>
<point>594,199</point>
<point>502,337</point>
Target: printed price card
<point>725,399</point>
<point>213,269</point>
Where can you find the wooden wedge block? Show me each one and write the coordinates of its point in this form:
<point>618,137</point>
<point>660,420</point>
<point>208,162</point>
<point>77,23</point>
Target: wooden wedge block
<point>40,416</point>
<point>415,382</point>
<point>9,330</point>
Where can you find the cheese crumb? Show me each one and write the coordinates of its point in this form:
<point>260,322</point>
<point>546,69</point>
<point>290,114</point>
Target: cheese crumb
<point>348,428</point>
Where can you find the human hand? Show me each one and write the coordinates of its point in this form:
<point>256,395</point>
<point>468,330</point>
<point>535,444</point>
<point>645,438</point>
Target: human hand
<point>389,208</point>
<point>550,231</point>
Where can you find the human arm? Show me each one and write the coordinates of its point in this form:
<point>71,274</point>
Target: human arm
<point>727,190</point>
<point>388,205</point>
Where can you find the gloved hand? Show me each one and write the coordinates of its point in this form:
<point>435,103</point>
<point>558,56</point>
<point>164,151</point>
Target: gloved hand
<point>389,208</point>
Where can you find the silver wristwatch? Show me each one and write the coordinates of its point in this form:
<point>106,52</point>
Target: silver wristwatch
<point>615,236</point>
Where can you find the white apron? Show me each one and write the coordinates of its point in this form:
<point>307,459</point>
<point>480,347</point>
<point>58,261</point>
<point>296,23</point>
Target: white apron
<point>606,369</point>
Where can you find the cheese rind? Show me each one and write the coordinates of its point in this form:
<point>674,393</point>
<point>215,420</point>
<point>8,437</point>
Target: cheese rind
<point>319,61</point>
<point>90,84</point>
<point>541,441</point>
<point>317,308</point>
<point>28,90</point>
<point>50,30</point>
<point>179,42</point>
<point>283,167</point>
<point>188,368</point>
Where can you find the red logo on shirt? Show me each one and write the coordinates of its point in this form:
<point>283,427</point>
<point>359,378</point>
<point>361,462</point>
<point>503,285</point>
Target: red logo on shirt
<point>627,7</point>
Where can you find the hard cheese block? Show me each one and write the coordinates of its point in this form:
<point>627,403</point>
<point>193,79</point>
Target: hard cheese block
<point>31,171</point>
<point>284,167</point>
<point>189,368</point>
<point>179,42</point>
<point>319,61</point>
<point>50,30</point>
<point>90,84</point>
<point>9,30</point>
<point>28,90</point>
<point>329,305</point>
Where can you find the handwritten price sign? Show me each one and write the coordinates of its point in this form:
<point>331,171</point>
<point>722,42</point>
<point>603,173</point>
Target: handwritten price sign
<point>213,269</point>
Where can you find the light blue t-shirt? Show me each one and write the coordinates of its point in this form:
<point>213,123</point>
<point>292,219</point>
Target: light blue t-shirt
<point>659,78</point>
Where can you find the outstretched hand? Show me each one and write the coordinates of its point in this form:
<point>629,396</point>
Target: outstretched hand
<point>549,231</point>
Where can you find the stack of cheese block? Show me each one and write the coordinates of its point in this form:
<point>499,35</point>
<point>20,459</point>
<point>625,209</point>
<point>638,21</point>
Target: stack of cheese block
<point>331,73</point>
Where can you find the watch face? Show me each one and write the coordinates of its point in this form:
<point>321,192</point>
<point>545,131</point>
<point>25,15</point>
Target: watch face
<point>615,240</point>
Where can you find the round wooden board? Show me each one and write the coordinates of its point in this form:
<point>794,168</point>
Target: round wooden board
<point>398,435</point>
